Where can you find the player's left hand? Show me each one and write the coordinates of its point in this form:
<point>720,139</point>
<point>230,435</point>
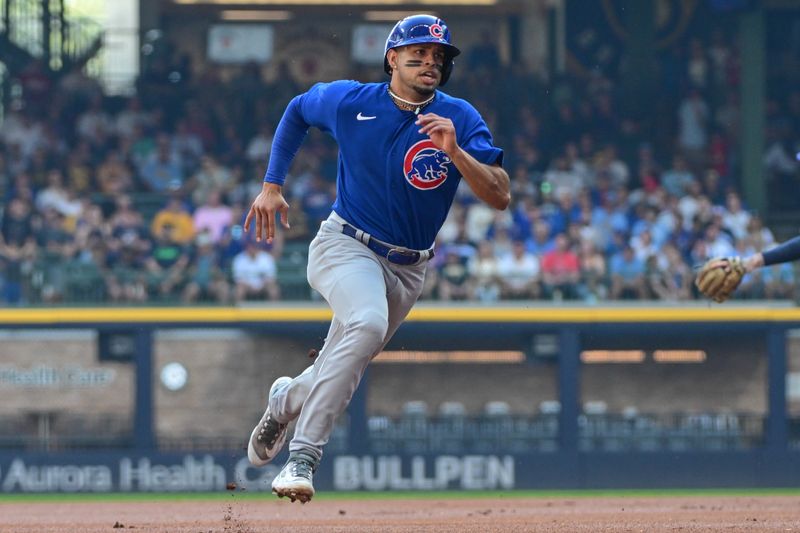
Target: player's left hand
<point>441,131</point>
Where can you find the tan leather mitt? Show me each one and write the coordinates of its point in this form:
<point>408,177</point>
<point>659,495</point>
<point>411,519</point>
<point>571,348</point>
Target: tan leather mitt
<point>718,278</point>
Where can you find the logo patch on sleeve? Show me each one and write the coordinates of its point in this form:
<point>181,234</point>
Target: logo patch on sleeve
<point>425,166</point>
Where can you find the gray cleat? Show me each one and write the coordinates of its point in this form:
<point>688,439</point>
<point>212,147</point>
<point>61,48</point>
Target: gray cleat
<point>295,479</point>
<point>268,437</point>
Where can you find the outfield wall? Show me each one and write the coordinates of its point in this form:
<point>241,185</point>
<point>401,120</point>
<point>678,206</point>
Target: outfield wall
<point>52,362</point>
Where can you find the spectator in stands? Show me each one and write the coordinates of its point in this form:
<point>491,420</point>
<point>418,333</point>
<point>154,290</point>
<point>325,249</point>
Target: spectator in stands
<point>502,237</point>
<point>668,276</point>
<point>714,186</point>
<point>735,220</point>
<point>562,179</point>
<point>255,274</point>
<point>125,279</point>
<point>175,215</point>
<point>540,242</point>
<point>593,284</point>
<point>213,216</point>
<point>647,169</point>
<point>484,270</point>
<point>125,218</point>
<point>576,164</point>
<point>760,235</point>
<point>18,247</point>
<point>677,179</point>
<point>206,280</point>
<point>24,135</point>
<point>140,147</point>
<point>162,171</point>
<point>454,279</point>
<point>53,226</point>
<point>85,268</point>
<point>211,176</point>
<point>56,196</point>
<point>608,162</point>
<point>91,224</point>
<point>718,242</point>
<point>719,158</point>
<point>479,217</point>
<point>561,270</point>
<point>166,266</point>
<point>778,281</point>
<point>519,273</point>
<point>562,212</point>
<point>95,124</point>
<point>643,246</point>
<point>114,176</point>
<point>54,251</point>
<point>627,275</point>
<point>187,146</point>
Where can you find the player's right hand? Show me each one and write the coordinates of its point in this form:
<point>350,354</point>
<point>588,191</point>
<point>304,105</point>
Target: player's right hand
<point>269,201</point>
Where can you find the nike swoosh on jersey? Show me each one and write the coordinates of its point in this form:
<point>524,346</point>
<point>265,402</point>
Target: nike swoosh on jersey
<point>363,117</point>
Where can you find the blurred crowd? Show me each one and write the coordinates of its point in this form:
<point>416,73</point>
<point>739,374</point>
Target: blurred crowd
<point>141,199</point>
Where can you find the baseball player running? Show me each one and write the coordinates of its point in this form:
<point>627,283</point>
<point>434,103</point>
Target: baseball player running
<point>403,147</point>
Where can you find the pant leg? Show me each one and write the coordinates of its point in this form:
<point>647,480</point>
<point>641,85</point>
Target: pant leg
<point>406,285</point>
<point>350,278</point>
<point>407,282</point>
<point>287,402</point>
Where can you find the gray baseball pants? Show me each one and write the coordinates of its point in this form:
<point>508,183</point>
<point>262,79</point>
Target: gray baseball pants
<point>370,297</point>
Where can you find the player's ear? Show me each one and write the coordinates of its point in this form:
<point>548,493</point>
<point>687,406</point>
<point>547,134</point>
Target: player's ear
<point>391,57</point>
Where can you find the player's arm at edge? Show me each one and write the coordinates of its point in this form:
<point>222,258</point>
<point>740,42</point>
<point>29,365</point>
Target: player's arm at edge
<point>783,253</point>
<point>490,183</point>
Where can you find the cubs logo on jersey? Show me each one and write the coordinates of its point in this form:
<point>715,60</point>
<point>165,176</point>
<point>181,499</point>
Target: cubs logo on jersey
<point>425,166</point>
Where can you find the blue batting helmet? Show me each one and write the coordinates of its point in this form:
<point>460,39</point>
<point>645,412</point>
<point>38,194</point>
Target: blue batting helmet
<point>422,29</point>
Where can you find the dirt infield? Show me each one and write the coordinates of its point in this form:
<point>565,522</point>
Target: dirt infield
<point>480,515</point>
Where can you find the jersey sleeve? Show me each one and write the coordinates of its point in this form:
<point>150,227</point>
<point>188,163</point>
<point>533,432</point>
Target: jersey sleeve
<point>317,107</point>
<point>783,253</point>
<point>478,142</point>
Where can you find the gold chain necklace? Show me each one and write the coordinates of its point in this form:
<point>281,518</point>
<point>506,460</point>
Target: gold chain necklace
<point>410,106</point>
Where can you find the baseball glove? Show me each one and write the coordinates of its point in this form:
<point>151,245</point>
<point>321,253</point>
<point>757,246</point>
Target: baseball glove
<point>718,278</point>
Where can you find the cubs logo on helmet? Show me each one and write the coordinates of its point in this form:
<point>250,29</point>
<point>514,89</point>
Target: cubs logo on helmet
<point>422,29</point>
<point>425,166</point>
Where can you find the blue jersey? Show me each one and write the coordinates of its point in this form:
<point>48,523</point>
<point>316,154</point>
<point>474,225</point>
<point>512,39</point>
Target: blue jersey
<point>392,181</point>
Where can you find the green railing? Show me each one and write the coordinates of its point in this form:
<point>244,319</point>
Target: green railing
<point>42,29</point>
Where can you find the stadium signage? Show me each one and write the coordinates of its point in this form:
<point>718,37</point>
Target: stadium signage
<point>56,478</point>
<point>140,475</point>
<point>469,472</point>
<point>192,474</point>
<point>44,376</point>
<point>189,473</point>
